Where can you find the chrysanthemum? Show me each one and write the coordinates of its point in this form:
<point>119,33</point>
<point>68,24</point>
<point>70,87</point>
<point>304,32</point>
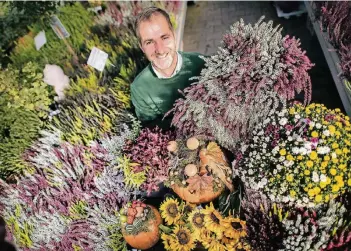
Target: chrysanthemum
<point>170,211</point>
<point>182,239</point>
<point>197,221</point>
<point>234,228</point>
<point>213,220</point>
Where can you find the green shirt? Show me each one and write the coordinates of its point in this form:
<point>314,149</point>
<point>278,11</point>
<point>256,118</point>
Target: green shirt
<point>152,97</point>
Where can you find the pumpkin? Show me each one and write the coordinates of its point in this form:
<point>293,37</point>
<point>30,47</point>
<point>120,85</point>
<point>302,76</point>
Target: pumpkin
<point>202,196</point>
<point>192,143</point>
<point>144,239</point>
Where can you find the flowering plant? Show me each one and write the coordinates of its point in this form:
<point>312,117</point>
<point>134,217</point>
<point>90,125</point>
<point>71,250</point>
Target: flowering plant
<point>149,150</point>
<point>300,154</point>
<point>188,225</point>
<point>257,70</point>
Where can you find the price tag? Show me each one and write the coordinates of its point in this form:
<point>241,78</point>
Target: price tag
<point>40,40</point>
<point>58,27</point>
<point>97,59</point>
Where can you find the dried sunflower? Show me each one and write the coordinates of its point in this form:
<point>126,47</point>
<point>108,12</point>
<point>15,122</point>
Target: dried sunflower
<point>234,228</point>
<point>182,239</point>
<point>213,220</point>
<point>170,211</point>
<point>196,220</point>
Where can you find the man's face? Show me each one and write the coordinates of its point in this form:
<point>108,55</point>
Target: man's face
<point>158,43</point>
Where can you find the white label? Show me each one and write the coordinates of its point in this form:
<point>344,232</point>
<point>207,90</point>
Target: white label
<point>97,59</point>
<point>58,27</point>
<point>40,40</point>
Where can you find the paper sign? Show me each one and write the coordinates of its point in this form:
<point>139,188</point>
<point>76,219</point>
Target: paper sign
<point>40,40</point>
<point>97,59</point>
<point>96,9</point>
<point>58,27</point>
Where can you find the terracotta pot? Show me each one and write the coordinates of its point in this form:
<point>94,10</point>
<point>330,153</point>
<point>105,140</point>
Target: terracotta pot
<point>145,240</point>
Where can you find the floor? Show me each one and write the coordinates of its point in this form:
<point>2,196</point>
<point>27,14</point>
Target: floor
<point>206,22</point>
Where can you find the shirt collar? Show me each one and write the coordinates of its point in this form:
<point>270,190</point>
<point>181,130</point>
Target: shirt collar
<point>177,69</point>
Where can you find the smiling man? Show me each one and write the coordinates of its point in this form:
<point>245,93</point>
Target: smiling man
<point>155,89</point>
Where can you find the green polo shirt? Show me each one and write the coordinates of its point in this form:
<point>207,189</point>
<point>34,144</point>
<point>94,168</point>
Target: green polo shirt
<point>152,97</point>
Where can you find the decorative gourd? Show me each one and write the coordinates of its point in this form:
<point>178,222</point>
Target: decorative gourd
<point>172,146</point>
<point>192,143</point>
<point>141,228</point>
<point>199,172</point>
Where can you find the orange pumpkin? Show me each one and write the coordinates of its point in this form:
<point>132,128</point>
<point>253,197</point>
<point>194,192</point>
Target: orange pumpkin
<point>202,196</point>
<point>145,240</point>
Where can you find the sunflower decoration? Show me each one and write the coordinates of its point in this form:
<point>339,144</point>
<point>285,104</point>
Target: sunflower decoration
<point>211,241</point>
<point>234,228</point>
<point>171,211</point>
<point>182,240</point>
<point>213,220</point>
<point>196,221</point>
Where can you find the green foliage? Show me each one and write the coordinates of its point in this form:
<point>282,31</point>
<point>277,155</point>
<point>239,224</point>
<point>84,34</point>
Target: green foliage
<point>86,84</point>
<point>18,129</point>
<point>89,116</point>
<point>131,178</point>
<point>25,89</point>
<point>76,19</point>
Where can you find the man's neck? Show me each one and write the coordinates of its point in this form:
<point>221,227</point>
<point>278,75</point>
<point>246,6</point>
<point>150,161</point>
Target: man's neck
<point>168,72</point>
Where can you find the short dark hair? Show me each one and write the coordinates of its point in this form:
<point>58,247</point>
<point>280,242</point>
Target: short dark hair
<point>146,15</point>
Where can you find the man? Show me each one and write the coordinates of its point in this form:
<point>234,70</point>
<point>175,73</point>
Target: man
<point>155,89</point>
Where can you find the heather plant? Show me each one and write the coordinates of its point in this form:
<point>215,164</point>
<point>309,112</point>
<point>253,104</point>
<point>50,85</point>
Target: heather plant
<point>255,71</point>
<point>149,150</point>
<point>86,117</point>
<point>70,197</point>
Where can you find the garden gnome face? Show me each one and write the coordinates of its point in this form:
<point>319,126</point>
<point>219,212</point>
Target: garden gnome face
<point>157,41</point>
<point>54,76</point>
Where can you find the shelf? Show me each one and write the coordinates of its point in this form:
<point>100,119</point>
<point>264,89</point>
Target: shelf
<point>331,57</point>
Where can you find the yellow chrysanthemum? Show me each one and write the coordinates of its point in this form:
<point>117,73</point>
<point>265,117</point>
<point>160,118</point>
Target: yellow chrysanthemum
<point>309,163</point>
<point>331,129</point>
<point>307,172</point>
<point>282,152</point>
<point>213,220</point>
<point>170,211</point>
<point>196,220</point>
<point>326,158</point>
<point>292,193</point>
<point>349,182</point>
<point>182,239</point>
<point>313,155</point>
<point>332,171</point>
<point>318,198</point>
<point>314,134</point>
<point>289,157</point>
<point>324,164</point>
<point>289,177</point>
<point>234,228</point>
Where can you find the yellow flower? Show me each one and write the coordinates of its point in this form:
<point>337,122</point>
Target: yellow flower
<point>166,240</point>
<point>335,160</point>
<point>313,155</point>
<point>170,211</point>
<point>326,198</point>
<point>328,181</point>
<point>213,220</point>
<point>289,157</point>
<point>292,193</point>
<point>282,152</point>
<point>345,150</point>
<point>234,228</point>
<point>314,134</point>
<point>196,220</point>
<point>289,177</point>
<point>335,145</point>
<point>324,164</point>
<point>335,188</point>
<point>182,239</point>
<point>307,172</point>
<point>342,167</point>
<point>339,179</point>
<point>338,151</point>
<point>349,182</point>
<point>311,192</point>
<point>326,158</point>
<point>292,111</point>
<point>331,129</point>
<point>323,184</point>
<point>299,157</point>
<point>318,198</point>
<point>332,171</point>
<point>309,163</point>
<point>317,190</point>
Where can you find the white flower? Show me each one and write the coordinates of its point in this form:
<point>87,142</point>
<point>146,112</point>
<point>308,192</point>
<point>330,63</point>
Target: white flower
<point>333,155</point>
<point>290,138</point>
<point>295,150</point>
<point>250,172</point>
<point>283,121</point>
<point>267,139</point>
<point>275,171</point>
<point>318,126</point>
<point>326,133</point>
<point>264,181</point>
<point>311,124</point>
<point>285,199</point>
<point>255,139</point>
<point>297,116</point>
<point>315,177</point>
<point>303,151</point>
<point>305,199</point>
<point>281,158</point>
<point>323,178</point>
<point>279,167</point>
<point>266,121</point>
<point>323,150</point>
